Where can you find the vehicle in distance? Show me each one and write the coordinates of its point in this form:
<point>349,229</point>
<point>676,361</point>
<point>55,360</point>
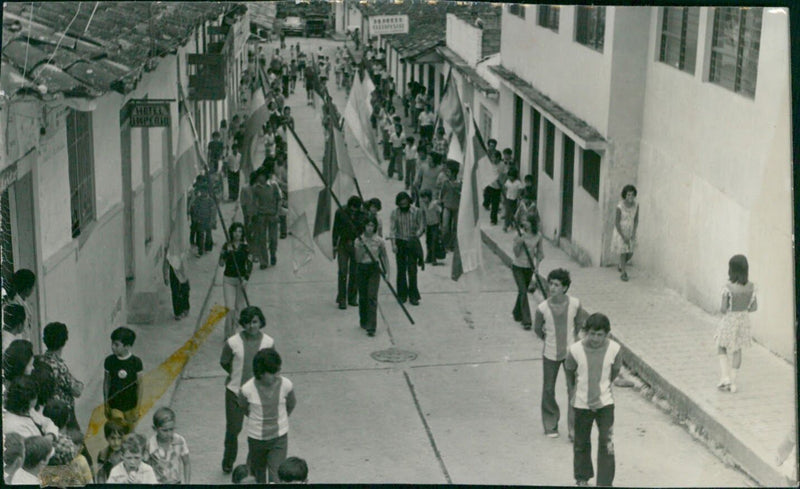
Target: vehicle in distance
<point>293,26</point>
<point>316,25</point>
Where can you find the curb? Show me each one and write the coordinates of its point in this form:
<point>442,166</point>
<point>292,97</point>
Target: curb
<point>746,459</point>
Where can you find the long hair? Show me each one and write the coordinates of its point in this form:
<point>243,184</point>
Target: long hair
<point>738,269</point>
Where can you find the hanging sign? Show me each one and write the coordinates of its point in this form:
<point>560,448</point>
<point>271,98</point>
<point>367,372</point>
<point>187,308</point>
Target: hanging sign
<point>388,24</point>
<point>149,114</point>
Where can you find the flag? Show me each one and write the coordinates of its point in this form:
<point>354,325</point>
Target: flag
<point>357,115</point>
<point>304,185</point>
<point>187,167</point>
<point>455,153</point>
<point>467,256</point>
<point>344,185</point>
<point>252,154</point>
<point>451,111</point>
<point>323,220</point>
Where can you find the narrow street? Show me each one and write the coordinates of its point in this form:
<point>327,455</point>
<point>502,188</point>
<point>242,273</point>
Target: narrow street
<point>465,410</point>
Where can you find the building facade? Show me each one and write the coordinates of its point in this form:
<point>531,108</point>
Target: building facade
<point>688,104</point>
<point>86,190</point>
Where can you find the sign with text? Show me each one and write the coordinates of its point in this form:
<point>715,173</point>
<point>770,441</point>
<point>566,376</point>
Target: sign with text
<point>149,114</point>
<point>388,24</point>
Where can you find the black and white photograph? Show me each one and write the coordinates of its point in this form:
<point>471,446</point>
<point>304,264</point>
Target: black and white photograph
<point>398,242</point>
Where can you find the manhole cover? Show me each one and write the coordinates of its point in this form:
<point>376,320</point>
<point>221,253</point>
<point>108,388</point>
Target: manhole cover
<point>393,355</point>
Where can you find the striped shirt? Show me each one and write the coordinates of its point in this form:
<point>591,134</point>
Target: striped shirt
<point>237,358</point>
<point>267,416</point>
<point>407,225</point>
<point>559,323</point>
<point>594,370</point>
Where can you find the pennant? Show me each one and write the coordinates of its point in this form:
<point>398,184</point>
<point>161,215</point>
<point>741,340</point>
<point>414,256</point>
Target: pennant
<point>467,256</point>
<point>357,114</point>
<point>304,185</point>
<point>452,112</point>
<point>345,183</point>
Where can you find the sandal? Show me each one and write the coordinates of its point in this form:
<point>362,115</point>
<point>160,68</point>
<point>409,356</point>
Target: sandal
<point>624,276</point>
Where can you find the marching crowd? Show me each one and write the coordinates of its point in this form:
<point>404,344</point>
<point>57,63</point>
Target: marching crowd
<point>43,442</point>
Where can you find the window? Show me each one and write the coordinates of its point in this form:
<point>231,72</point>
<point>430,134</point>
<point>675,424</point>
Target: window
<point>679,37</point>
<point>486,123</point>
<point>517,9</point>
<point>549,148</point>
<point>591,27</point>
<point>734,48</point>
<point>548,16</point>
<point>81,169</point>
<point>590,173</point>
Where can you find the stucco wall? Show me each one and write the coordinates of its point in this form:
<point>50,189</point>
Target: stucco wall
<point>577,77</point>
<point>55,226</point>
<point>715,180</point>
<point>464,39</point>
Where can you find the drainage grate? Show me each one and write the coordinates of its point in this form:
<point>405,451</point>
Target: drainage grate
<point>393,355</point>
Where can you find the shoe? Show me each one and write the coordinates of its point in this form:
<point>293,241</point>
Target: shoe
<point>422,265</point>
<point>263,266</point>
<point>571,437</point>
<point>226,469</point>
<point>402,301</point>
<point>273,261</point>
<point>283,236</point>
<point>526,327</point>
<point>581,483</point>
<point>414,302</point>
<point>342,306</point>
<point>370,333</point>
<point>624,276</point>
<point>553,434</point>
<point>353,304</point>
<point>732,388</point>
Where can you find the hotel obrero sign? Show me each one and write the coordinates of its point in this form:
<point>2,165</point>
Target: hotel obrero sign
<point>388,24</point>
<point>149,114</point>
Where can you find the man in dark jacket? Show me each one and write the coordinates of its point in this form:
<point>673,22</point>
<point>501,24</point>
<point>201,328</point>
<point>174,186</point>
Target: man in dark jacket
<point>267,201</point>
<point>347,226</point>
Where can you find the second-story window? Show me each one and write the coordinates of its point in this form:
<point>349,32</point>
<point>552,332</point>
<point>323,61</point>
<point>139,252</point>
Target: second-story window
<point>80,154</point>
<point>590,26</point>
<point>517,9</point>
<point>679,37</point>
<point>734,48</point>
<point>548,16</point>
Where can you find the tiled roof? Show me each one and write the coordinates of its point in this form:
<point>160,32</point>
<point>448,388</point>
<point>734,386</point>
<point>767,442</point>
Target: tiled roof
<point>592,137</point>
<point>107,44</point>
<point>467,71</point>
<point>416,42</point>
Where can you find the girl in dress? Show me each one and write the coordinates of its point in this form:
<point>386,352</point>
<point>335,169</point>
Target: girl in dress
<point>625,223</point>
<point>733,333</point>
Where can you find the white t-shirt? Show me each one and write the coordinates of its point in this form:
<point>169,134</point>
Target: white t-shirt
<point>144,475</point>
<point>513,188</point>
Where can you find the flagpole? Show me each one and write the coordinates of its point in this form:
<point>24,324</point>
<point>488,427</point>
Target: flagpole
<point>211,191</point>
<point>341,208</point>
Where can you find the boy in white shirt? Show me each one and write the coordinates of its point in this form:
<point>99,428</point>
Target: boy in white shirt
<point>513,187</point>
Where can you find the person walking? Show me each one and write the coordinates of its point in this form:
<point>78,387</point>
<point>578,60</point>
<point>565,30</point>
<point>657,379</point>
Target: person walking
<point>591,366</point>
<point>347,225</point>
<point>626,220</point>
<point>267,200</point>
<point>238,263</point>
<point>237,360</point>
<point>177,279</point>
<point>407,225</point>
<point>233,166</point>
<point>557,322</point>
<point>733,332</point>
<point>370,253</point>
<point>527,256</point>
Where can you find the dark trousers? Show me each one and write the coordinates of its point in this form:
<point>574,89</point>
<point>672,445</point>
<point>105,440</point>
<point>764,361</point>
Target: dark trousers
<point>426,133</point>
<point>266,455</point>
<point>348,269</point>
<point>411,172</point>
<point>396,163</point>
<point>200,237</point>
<point>550,411</point>
<point>234,418</point>
<point>432,242</point>
<point>283,225</point>
<point>582,446</point>
<point>369,279</point>
<point>406,258</point>
<point>493,200</point>
<point>180,293</point>
<point>233,185</point>
<point>522,309</point>
<point>265,236</point>
<point>511,209</point>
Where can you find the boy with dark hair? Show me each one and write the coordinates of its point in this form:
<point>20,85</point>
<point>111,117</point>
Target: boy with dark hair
<point>591,365</point>
<point>347,226</point>
<point>114,431</point>
<point>13,324</point>
<point>432,211</point>
<point>293,470</point>
<point>557,322</point>
<point>38,450</point>
<point>122,382</point>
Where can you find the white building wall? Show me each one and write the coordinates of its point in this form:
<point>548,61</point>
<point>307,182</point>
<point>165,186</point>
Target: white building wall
<point>575,76</point>
<point>715,180</point>
<point>464,39</point>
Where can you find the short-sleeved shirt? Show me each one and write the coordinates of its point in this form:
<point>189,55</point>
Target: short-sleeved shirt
<point>167,463</point>
<point>513,189</point>
<point>123,381</point>
<point>558,325</point>
<point>427,119</point>
<point>143,475</point>
<point>410,152</point>
<point>267,417</point>
<point>593,367</point>
<point>239,351</point>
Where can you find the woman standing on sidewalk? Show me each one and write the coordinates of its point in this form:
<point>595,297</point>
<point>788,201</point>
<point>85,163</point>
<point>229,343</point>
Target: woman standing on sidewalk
<point>733,333</point>
<point>626,221</point>
<point>236,259</point>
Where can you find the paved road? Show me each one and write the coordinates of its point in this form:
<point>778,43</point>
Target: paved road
<point>466,410</point>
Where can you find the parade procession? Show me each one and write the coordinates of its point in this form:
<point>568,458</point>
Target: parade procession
<point>358,242</point>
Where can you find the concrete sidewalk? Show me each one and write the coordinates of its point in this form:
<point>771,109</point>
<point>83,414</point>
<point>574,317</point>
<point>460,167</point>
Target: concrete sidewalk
<point>668,342</point>
<point>155,342</point>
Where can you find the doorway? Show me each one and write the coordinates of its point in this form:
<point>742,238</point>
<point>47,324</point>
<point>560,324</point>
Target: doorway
<point>127,200</point>
<point>517,129</point>
<point>567,184</point>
